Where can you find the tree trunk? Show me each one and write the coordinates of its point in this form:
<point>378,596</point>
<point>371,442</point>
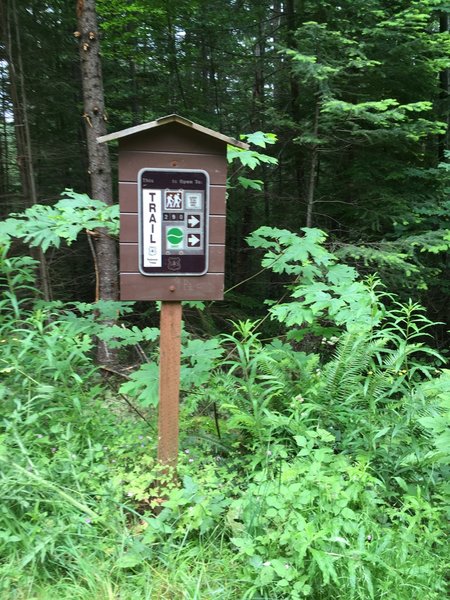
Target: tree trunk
<point>11,34</point>
<point>291,19</point>
<point>175,77</point>
<point>291,25</point>
<point>310,196</point>
<point>99,165</point>
<point>4,141</point>
<point>258,96</point>
<point>444,84</point>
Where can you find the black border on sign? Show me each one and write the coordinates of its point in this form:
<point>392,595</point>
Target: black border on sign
<point>140,222</point>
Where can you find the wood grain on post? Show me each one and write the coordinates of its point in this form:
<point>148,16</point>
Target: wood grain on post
<point>169,382</point>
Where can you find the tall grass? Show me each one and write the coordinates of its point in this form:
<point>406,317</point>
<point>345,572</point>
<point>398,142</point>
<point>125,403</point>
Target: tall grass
<point>329,479</point>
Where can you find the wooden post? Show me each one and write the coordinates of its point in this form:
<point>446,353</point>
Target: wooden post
<point>172,181</point>
<point>169,382</point>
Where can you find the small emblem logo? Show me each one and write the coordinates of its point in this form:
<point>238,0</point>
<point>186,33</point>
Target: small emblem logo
<point>174,263</point>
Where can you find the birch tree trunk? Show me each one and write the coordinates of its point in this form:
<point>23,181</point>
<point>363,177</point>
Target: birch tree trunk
<point>105,249</point>
<point>13,53</point>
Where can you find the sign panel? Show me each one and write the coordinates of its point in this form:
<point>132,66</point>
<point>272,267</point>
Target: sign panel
<point>173,222</point>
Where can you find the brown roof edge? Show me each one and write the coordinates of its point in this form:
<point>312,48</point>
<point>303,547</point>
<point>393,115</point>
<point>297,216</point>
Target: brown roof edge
<point>171,119</point>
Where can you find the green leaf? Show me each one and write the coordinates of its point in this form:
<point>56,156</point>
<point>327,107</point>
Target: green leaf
<point>259,138</point>
<point>254,184</point>
<point>143,385</point>
<point>129,560</point>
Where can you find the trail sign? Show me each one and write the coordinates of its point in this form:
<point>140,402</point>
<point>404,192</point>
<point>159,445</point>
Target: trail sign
<point>172,177</point>
<point>173,217</point>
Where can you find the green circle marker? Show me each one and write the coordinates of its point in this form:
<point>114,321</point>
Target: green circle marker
<point>175,235</point>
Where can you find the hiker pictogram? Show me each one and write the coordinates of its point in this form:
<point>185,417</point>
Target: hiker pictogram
<point>173,200</point>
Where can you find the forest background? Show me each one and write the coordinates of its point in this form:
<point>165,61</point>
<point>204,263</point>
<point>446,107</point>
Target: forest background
<point>356,93</point>
<point>314,443</point>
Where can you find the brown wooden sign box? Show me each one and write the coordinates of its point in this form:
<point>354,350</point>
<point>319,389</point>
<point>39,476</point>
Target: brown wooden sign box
<point>171,143</point>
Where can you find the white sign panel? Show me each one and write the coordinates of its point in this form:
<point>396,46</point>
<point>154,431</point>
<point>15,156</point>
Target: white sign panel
<point>151,228</point>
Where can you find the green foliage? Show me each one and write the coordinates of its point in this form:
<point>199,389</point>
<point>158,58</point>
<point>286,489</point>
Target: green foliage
<point>17,278</point>
<point>311,528</point>
<point>368,119</point>
<point>47,226</point>
<point>434,398</point>
<point>45,448</point>
<point>330,476</point>
<point>198,357</point>
<point>329,479</point>
<point>118,337</point>
<point>328,290</point>
<point>252,158</point>
<point>356,85</point>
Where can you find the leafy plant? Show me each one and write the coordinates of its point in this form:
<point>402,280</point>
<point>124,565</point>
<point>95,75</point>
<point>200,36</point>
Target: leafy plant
<point>47,226</point>
<point>327,290</point>
<point>252,158</point>
<point>197,359</point>
<point>320,473</point>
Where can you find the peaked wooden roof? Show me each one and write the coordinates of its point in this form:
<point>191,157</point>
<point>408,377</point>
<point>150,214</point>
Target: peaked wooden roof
<point>171,119</point>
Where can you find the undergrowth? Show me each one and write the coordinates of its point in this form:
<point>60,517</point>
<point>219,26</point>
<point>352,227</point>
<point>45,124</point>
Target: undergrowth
<point>302,474</point>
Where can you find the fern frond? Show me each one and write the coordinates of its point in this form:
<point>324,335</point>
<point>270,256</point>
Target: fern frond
<point>343,374</point>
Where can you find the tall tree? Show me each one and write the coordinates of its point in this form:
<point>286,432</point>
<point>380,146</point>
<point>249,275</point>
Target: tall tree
<point>444,78</point>
<point>13,54</point>
<point>354,90</point>
<point>105,249</point>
